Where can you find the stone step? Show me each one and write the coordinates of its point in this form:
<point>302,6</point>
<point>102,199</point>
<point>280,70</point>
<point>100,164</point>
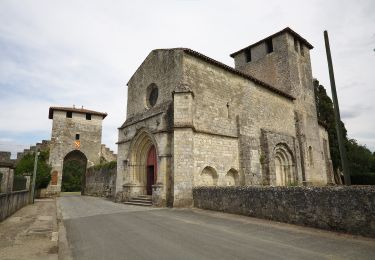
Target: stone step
<point>141,200</point>
<point>144,196</point>
<point>138,203</point>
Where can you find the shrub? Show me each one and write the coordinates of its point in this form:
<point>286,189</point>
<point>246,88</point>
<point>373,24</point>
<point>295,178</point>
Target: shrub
<point>109,165</point>
<point>363,178</point>
<point>43,174</point>
<point>72,176</point>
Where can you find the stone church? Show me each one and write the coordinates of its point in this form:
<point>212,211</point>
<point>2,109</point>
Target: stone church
<point>194,121</point>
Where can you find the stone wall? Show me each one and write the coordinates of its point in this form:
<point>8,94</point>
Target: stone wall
<point>107,154</point>
<point>340,208</point>
<point>5,156</point>
<point>44,145</point>
<point>11,202</point>
<point>100,182</point>
<point>7,172</point>
<point>6,183</point>
<point>229,106</point>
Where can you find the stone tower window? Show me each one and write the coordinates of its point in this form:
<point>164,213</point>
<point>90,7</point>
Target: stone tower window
<point>269,45</point>
<point>311,159</point>
<point>248,54</point>
<point>152,95</point>
<point>295,45</point>
<point>77,136</point>
<point>69,114</point>
<point>88,116</point>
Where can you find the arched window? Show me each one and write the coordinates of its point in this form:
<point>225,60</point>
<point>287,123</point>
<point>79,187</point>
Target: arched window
<point>232,178</point>
<point>208,177</point>
<point>311,159</point>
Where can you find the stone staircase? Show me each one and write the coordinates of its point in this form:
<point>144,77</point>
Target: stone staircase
<point>140,200</point>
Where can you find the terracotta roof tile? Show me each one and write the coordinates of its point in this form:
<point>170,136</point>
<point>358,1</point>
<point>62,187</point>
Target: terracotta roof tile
<point>75,110</point>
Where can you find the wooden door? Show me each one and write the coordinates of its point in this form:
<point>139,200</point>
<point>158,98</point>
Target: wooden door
<point>151,169</point>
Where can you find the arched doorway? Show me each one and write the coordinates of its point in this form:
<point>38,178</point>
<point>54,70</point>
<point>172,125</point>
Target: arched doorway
<point>74,171</point>
<point>284,167</point>
<point>151,169</point>
<point>143,163</point>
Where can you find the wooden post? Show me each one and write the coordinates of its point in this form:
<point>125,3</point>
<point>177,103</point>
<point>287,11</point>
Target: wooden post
<point>344,162</point>
<point>32,194</point>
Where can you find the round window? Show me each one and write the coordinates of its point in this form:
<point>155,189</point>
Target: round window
<point>153,94</point>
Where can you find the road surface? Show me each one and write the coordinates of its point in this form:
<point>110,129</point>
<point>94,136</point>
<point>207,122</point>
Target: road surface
<point>100,229</point>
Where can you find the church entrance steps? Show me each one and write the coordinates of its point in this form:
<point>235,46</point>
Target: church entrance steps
<point>141,200</point>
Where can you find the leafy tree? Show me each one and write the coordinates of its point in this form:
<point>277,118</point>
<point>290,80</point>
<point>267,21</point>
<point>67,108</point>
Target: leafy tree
<point>324,107</point>
<point>72,176</point>
<point>361,161</point>
<point>26,165</point>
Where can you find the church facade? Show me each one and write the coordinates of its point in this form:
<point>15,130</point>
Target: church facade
<point>194,121</point>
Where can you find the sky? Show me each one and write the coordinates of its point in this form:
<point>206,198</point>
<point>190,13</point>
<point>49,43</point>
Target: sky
<point>82,53</point>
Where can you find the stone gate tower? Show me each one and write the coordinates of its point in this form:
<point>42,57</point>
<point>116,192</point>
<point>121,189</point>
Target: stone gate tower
<point>76,135</point>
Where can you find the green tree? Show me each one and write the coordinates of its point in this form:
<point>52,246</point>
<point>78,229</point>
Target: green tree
<point>26,165</point>
<point>360,159</point>
<point>324,107</point>
<point>72,176</point>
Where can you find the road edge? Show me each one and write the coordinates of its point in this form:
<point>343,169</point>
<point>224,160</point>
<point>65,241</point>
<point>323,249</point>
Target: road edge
<point>64,250</point>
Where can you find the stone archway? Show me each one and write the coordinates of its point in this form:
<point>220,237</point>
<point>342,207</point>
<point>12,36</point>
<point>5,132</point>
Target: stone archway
<point>143,163</point>
<point>208,177</point>
<point>74,172</point>
<point>284,166</point>
<point>232,178</point>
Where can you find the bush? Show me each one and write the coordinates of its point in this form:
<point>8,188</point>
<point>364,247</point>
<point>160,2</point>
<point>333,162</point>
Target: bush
<point>73,172</point>
<point>363,178</point>
<point>109,165</point>
<point>43,174</point>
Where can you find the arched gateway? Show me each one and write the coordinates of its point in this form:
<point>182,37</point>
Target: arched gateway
<point>74,169</point>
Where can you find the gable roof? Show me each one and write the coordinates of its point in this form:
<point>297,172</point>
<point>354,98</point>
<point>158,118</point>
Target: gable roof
<point>285,30</point>
<point>237,72</point>
<point>225,67</point>
<point>75,110</point>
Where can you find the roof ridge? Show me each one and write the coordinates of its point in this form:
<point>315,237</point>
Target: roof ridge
<point>74,109</point>
<point>286,29</point>
<point>238,72</point>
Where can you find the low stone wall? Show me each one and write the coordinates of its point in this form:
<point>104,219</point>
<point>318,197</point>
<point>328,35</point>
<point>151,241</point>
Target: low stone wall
<point>11,202</point>
<point>344,209</point>
<point>100,182</point>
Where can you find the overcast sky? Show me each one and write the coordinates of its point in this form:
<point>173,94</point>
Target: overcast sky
<point>60,53</point>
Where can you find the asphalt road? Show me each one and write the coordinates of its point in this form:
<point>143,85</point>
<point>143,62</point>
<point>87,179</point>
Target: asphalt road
<point>100,229</point>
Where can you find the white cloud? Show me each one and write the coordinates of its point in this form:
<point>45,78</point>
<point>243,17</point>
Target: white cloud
<point>84,52</point>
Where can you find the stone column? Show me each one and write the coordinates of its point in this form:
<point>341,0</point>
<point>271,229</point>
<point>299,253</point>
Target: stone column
<point>183,140</point>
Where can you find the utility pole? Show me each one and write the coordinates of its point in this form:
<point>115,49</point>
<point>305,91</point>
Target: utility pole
<point>344,162</point>
<point>34,177</point>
